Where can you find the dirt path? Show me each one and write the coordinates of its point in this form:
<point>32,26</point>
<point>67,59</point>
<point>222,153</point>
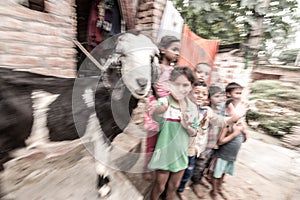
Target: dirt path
<point>264,171</point>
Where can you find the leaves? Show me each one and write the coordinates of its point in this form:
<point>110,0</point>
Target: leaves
<point>232,20</point>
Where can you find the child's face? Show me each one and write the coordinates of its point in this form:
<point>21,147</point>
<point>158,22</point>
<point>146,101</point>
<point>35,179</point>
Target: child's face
<point>202,72</point>
<point>217,99</point>
<point>200,93</point>
<point>236,93</point>
<point>172,52</point>
<point>182,87</point>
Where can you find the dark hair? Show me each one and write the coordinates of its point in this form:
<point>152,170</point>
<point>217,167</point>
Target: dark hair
<point>182,70</point>
<point>213,90</point>
<point>166,41</point>
<point>234,101</point>
<point>232,86</point>
<point>199,83</point>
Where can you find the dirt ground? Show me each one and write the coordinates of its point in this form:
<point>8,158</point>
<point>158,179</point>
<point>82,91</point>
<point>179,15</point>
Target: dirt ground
<point>264,171</point>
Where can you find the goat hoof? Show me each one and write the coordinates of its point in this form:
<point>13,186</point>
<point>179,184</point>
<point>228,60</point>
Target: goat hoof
<point>104,191</point>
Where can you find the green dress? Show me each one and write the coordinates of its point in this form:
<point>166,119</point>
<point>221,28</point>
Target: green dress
<point>171,150</point>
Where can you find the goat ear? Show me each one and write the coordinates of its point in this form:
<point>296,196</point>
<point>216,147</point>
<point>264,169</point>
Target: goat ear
<point>114,59</point>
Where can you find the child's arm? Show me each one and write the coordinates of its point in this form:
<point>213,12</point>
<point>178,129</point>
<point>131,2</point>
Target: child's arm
<point>158,107</point>
<point>239,111</point>
<point>244,131</point>
<point>224,138</point>
<point>221,121</point>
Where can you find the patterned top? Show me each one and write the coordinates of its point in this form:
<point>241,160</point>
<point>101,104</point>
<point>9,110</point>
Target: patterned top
<point>171,151</point>
<point>214,132</point>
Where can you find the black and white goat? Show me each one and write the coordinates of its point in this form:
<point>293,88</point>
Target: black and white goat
<point>36,108</point>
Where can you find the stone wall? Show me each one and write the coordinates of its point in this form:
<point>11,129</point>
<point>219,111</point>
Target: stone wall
<point>39,42</point>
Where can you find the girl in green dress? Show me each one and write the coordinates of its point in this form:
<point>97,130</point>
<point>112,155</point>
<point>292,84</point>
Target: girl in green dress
<point>179,120</point>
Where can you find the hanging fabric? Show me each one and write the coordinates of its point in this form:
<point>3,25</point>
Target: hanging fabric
<point>104,21</point>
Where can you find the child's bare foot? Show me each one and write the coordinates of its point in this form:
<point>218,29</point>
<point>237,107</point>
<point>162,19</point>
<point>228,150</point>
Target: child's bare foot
<point>148,176</point>
<point>213,194</point>
<point>181,196</point>
<point>223,195</point>
<point>204,183</point>
<point>197,190</point>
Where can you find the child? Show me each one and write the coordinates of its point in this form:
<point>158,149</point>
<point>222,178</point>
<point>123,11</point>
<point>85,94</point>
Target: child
<point>169,51</point>
<point>202,72</point>
<point>180,121</point>
<point>200,93</point>
<point>217,120</point>
<point>234,90</point>
<point>230,142</point>
<point>216,98</point>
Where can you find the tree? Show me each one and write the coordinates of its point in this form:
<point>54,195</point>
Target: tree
<point>246,21</point>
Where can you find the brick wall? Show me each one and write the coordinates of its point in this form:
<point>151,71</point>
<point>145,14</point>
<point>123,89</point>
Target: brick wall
<point>229,67</point>
<point>39,42</point>
<point>149,16</point>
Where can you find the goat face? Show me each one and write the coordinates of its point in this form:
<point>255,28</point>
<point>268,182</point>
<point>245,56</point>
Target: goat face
<point>138,57</point>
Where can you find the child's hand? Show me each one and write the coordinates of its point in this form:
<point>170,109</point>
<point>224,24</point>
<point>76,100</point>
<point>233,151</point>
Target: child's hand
<point>206,118</point>
<point>184,120</point>
<point>239,110</point>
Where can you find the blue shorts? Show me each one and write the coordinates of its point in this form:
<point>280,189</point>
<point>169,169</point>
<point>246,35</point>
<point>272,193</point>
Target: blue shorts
<point>223,167</point>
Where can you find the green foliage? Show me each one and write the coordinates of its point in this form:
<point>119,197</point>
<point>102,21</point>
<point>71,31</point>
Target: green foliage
<point>260,87</point>
<point>252,115</point>
<point>288,56</point>
<point>231,20</point>
<point>277,106</point>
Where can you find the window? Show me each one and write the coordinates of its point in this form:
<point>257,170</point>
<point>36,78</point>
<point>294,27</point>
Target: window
<point>38,5</point>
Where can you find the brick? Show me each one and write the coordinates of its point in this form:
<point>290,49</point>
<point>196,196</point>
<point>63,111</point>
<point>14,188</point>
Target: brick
<point>156,20</point>
<point>157,13</point>
<point>11,23</point>
<point>146,6</point>
<point>70,2</point>
<point>37,39</point>
<point>43,71</point>
<point>67,52</point>
<point>158,5</point>
<point>70,73</point>
<point>155,26</point>
<point>20,60</point>
<point>147,20</point>
<point>40,28</point>
<point>15,48</point>
<point>58,10</point>
<point>54,61</point>
<point>145,13</point>
<point>25,14</point>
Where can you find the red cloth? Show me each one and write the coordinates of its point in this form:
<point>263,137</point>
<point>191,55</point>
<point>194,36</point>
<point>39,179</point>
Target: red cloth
<point>195,49</point>
<point>94,36</point>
